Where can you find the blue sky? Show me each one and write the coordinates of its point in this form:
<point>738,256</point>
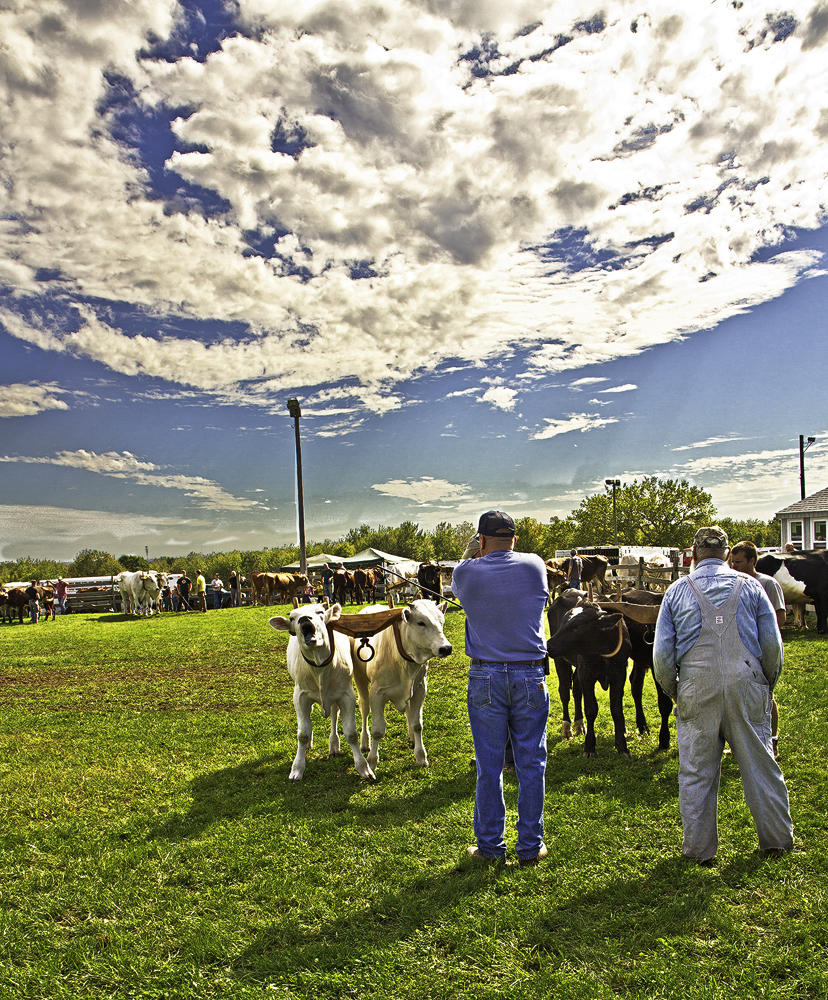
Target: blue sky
<point>499,251</point>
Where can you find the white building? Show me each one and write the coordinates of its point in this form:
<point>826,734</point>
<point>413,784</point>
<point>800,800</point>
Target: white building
<point>804,522</point>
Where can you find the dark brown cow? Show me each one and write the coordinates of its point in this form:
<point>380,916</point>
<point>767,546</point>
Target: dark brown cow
<point>15,603</point>
<point>642,638</point>
<point>47,601</point>
<point>365,585</point>
<point>430,581</point>
<point>343,586</point>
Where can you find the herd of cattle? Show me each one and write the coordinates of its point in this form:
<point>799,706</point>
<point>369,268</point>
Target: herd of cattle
<point>591,643</point>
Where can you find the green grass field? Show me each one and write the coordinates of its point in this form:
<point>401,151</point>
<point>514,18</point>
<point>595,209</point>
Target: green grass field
<point>152,846</point>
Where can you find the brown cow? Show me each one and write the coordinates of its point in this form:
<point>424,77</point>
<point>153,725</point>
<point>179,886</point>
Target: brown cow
<point>16,601</point>
<point>365,585</point>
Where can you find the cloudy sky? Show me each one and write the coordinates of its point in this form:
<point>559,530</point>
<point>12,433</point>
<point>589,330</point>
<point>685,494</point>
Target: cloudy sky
<point>499,251</point>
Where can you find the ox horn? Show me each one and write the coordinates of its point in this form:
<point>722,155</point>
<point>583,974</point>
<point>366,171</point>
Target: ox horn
<point>296,602</point>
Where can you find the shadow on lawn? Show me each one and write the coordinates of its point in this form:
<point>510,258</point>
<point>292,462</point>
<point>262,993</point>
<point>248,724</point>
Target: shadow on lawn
<point>329,788</point>
<point>668,901</point>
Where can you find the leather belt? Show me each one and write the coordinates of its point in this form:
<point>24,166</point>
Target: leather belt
<point>509,663</point>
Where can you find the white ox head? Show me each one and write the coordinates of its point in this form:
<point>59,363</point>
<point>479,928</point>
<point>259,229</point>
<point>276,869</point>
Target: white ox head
<point>423,626</point>
<point>308,623</point>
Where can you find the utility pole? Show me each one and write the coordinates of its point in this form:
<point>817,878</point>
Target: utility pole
<point>803,447</point>
<point>296,412</point>
<point>614,483</point>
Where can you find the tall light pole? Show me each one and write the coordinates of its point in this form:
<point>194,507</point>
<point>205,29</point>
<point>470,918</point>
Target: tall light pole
<point>296,412</point>
<point>802,449</point>
<point>614,483</point>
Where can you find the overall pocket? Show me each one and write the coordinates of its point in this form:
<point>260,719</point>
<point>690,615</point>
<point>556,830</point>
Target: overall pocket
<point>687,703</point>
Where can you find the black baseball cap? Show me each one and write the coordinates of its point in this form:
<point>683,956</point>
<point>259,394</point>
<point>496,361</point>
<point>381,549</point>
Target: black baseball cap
<point>496,524</point>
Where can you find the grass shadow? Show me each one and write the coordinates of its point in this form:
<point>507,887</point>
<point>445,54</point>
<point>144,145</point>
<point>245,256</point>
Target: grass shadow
<point>330,787</point>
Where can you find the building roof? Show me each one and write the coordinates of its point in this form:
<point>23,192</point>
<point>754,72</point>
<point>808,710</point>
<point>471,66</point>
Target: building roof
<point>816,503</point>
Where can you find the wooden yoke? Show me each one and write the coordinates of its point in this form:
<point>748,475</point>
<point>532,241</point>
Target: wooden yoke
<point>364,626</point>
<point>644,614</point>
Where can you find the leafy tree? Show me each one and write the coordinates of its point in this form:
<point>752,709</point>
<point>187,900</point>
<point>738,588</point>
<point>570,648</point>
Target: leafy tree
<point>93,562</point>
<point>651,512</point>
<point>133,563</point>
<point>531,536</point>
<point>444,542</point>
<point>762,533</point>
<point>560,535</point>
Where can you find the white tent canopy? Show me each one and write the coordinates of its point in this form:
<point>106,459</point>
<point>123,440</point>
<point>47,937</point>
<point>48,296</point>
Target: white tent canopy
<point>367,557</point>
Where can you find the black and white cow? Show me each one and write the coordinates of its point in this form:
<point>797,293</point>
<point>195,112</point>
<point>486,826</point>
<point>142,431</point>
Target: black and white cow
<point>803,576</point>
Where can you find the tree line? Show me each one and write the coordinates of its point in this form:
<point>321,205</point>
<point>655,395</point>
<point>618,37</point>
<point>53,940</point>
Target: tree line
<point>651,511</point>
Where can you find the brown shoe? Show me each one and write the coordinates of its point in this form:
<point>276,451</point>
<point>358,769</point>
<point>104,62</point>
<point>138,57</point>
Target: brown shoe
<point>528,862</point>
<point>474,853</point>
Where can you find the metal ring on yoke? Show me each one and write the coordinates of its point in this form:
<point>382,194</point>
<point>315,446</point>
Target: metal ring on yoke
<point>364,643</point>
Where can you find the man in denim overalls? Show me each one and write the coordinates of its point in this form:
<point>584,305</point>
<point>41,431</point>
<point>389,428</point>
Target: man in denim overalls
<point>718,654</point>
<point>504,595</point>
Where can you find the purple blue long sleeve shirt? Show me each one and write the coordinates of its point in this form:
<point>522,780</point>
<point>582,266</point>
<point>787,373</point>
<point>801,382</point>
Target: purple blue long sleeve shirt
<point>504,595</point>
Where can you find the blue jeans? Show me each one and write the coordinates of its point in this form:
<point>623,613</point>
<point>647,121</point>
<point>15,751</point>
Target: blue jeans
<point>508,698</point>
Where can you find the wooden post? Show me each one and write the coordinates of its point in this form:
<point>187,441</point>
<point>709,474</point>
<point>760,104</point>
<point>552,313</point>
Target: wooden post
<point>640,583</point>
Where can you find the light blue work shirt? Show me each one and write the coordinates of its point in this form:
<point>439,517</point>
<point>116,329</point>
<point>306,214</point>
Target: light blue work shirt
<point>504,595</point>
<point>679,619</point>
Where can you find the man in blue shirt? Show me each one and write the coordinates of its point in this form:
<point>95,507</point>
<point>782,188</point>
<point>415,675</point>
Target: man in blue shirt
<point>718,654</point>
<point>504,594</point>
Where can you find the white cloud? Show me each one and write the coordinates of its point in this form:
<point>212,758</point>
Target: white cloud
<point>442,179</point>
<point>124,465</point>
<point>628,387</point>
<point>573,422</point>
<point>580,383</point>
<point>423,491</point>
<point>710,442</point>
<point>22,400</point>
<point>500,397</point>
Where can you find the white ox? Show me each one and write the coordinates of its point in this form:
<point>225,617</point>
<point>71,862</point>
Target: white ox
<point>319,664</point>
<point>139,589</point>
<point>402,578</point>
<point>400,679</point>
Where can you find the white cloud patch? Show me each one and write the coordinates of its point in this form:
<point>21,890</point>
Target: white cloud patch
<point>500,397</point>
<point>426,490</point>
<point>491,201</point>
<point>710,442</point>
<point>628,387</point>
<point>582,383</point>
<point>574,422</point>
<point>124,465</point>
<point>26,400</point>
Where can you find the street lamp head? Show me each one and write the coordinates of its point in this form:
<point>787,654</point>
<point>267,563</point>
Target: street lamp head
<point>811,440</point>
<point>293,408</point>
<point>612,482</point>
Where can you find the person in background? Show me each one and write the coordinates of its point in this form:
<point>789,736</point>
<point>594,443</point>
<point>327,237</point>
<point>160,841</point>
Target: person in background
<point>743,558</point>
<point>718,654</point>
<point>327,582</point>
<point>33,595</point>
<point>60,593</point>
<point>576,564</point>
<point>504,594</point>
<point>201,591</point>
<point>216,586</point>
<point>184,586</point>
<point>235,590</point>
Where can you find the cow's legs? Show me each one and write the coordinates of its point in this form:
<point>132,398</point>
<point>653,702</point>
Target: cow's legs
<point>378,726</point>
<point>591,712</point>
<point>304,733</point>
<point>665,708</point>
<point>333,739</point>
<point>639,672</point>
<point>349,731</point>
<point>616,695</point>
<point>564,671</point>
<point>414,717</point>
<point>362,685</point>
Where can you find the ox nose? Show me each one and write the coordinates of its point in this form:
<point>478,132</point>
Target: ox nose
<point>444,650</point>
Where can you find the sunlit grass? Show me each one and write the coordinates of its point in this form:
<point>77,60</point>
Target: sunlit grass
<point>152,845</point>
